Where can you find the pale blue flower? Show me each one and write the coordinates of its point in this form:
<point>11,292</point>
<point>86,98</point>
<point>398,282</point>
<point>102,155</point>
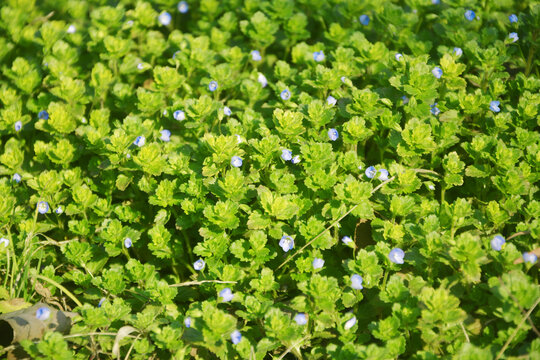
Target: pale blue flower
<point>199,264</point>
<point>18,126</point>
<point>59,210</point>
<point>213,85</point>
<point>43,114</point>
<point>165,18</point>
<point>529,257</point>
<point>494,106</point>
<point>286,154</point>
<point>5,242</point>
<point>364,20</point>
<point>140,66</point>
<point>295,159</point>
<point>165,112</point>
<point>236,337</point>
<point>437,72</point>
<point>256,55</point>
<point>187,322</point>
<point>165,135</point>
<point>262,80</point>
<point>17,178</point>
<point>128,155</point>
<point>175,54</point>
<point>343,79</point>
<point>140,141</point>
<point>318,56</point>
<point>513,18</point>
<point>469,15</point>
<point>346,240</point>
<point>236,161</point>
<point>286,243</point>
<point>128,243</point>
<point>396,256</point>
<point>43,313</point>
<point>318,263</point>
<point>333,134</point>
<point>458,52</point>
<point>371,172</point>
<point>434,109</point>
<point>356,282</point>
<point>226,294</point>
<point>285,94</point>
<point>431,187</point>
<point>227,111</point>
<point>405,100</point>
<point>514,36</point>
<point>383,174</point>
<point>330,100</point>
<point>350,323</point>
<point>435,2</point>
<point>398,56</point>
<point>71,29</point>
<point>183,7</point>
<point>43,207</point>
<point>101,301</point>
<point>179,115</point>
<point>238,139</point>
<point>300,319</point>
<point>497,242</point>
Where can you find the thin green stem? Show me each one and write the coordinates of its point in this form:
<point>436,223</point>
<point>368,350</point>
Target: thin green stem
<point>60,287</point>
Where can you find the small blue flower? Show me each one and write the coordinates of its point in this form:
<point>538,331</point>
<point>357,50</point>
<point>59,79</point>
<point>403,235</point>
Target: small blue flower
<point>18,126</point>
<point>187,322</point>
<point>140,66</point>
<point>371,172</point>
<point>318,56</point>
<point>383,174</point>
<point>494,106</point>
<point>364,20</point>
<point>396,256</point>
<point>5,242</point>
<point>101,301</point>
<point>346,240</point>
<point>286,154</point>
<point>404,99</point>
<point>256,55</point>
<point>140,141</point>
<point>59,210</point>
<point>497,242</point>
<point>458,52</point>
<point>356,282</point>
<point>437,72</point>
<point>318,263</point>
<point>183,7</point>
<point>199,264</point>
<point>127,243</point>
<point>285,94</point>
<point>431,187</point>
<point>176,53</point>
<point>530,257</point>
<point>469,15</point>
<point>236,337</point>
<point>43,207</point>
<point>435,2</point>
<point>398,56</point>
<point>17,178</point>
<point>179,115</point>
<point>213,85</point>
<point>43,313</point>
<point>238,139</point>
<point>165,18</point>
<point>227,111</point>
<point>513,18</point>
<point>165,135</point>
<point>128,155</point>
<point>295,159</point>
<point>165,112</point>
<point>300,319</point>
<point>514,36</point>
<point>350,323</point>
<point>330,100</point>
<point>343,79</point>
<point>226,294</point>
<point>71,29</point>
<point>333,134</point>
<point>262,80</point>
<point>43,114</point>
<point>286,243</point>
<point>434,109</point>
<point>236,161</point>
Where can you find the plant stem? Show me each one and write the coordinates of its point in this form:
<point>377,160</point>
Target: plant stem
<point>60,287</point>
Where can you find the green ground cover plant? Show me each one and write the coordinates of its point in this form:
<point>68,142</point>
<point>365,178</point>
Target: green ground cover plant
<point>252,179</point>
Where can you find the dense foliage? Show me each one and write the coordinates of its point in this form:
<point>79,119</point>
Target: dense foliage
<point>282,179</point>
